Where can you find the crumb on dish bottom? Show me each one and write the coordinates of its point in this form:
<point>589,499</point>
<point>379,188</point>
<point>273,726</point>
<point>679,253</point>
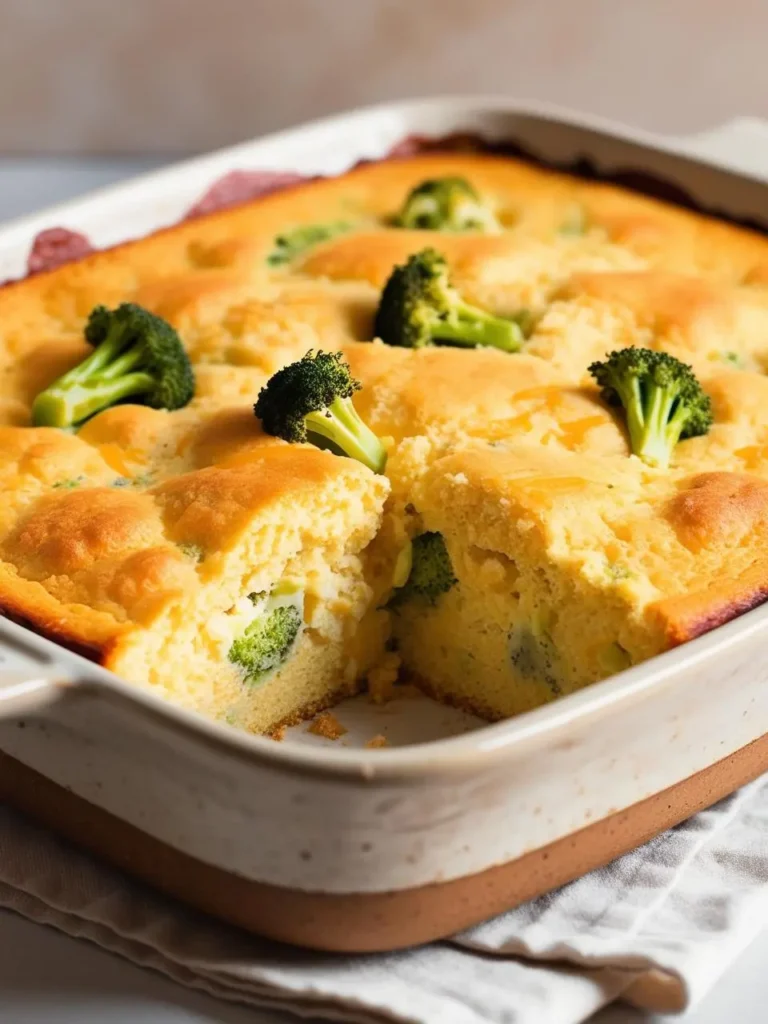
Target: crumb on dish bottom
<point>327,725</point>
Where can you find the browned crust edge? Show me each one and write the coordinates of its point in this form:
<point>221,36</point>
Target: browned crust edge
<point>25,613</point>
<point>309,711</point>
<point>471,707</point>
<point>688,616</point>
<point>633,180</point>
<point>370,922</point>
<point>453,143</point>
<point>166,229</point>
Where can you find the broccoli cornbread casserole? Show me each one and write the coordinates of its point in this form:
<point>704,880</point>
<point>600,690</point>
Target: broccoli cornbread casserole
<point>497,429</point>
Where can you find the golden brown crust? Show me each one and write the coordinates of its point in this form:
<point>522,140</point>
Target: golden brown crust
<point>685,617</point>
<point>100,532</point>
<point>370,256</point>
<point>86,565</point>
<point>739,397</point>
<point>758,275</point>
<point>719,510</point>
<point>68,531</point>
<point>212,506</point>
<point>660,298</point>
<point>725,513</point>
<point>83,631</point>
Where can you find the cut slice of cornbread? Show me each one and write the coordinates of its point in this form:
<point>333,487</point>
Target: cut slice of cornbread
<point>524,621</point>
<point>571,567</point>
<point>162,583</point>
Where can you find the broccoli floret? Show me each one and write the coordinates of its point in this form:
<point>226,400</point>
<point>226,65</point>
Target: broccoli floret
<point>534,656</point>
<point>142,480</point>
<point>311,400</point>
<point>419,306</point>
<point>69,484</point>
<point>194,552</point>
<point>267,642</point>
<point>137,356</point>
<point>732,358</point>
<point>446,204</point>
<point>431,570</point>
<point>662,399</point>
<point>617,571</point>
<point>292,244</point>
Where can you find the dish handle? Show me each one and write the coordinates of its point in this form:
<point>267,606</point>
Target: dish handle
<point>26,691</point>
<point>740,144</point>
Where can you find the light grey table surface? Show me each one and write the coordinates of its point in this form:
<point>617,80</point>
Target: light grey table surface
<point>48,978</point>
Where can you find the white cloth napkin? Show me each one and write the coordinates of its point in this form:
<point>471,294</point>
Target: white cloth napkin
<point>656,928</point>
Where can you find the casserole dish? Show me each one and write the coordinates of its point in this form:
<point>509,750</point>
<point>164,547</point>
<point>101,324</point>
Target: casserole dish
<point>363,850</point>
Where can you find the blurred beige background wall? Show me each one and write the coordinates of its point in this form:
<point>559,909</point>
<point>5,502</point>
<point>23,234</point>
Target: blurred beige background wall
<point>185,75</point>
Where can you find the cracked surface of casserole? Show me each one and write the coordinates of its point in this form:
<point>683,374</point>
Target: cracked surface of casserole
<point>139,539</point>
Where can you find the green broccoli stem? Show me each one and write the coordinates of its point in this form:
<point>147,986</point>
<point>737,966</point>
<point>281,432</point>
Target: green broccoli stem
<point>342,425</point>
<point>473,327</point>
<point>631,396</point>
<point>124,363</point>
<point>104,354</point>
<point>102,379</point>
<point>662,428</point>
<point>62,406</point>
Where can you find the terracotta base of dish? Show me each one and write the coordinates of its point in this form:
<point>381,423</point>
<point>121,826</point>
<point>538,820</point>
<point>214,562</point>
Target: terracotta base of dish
<point>370,922</point>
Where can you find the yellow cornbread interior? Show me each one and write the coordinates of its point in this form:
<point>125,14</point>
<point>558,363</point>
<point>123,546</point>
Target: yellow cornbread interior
<point>139,538</point>
<point>156,575</point>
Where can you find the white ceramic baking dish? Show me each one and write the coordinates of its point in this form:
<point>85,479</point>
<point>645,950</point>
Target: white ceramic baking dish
<point>352,849</point>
